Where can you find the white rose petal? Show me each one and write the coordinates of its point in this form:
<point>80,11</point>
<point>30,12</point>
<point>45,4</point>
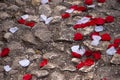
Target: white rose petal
<point>13,30</point>
<point>48,20</point>
<point>91,6</point>
<point>83,20</point>
<point>24,62</point>
<point>95,42</point>
<point>77,50</point>
<point>25,16</point>
<point>44,1</point>
<point>69,10</point>
<point>7,68</point>
<point>111,51</point>
<point>97,38</point>
<point>45,19</point>
<point>99,28</point>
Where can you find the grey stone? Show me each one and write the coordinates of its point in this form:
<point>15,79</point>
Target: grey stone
<point>50,66</point>
<point>87,69</point>
<point>7,25</point>
<point>35,2</point>
<point>86,31</point>
<point>1,69</point>
<point>32,66</point>
<point>13,45</point>
<point>43,35</point>
<point>13,7</point>
<point>1,76</point>
<point>12,72</point>
<point>69,68</point>
<point>3,6</point>
<point>88,76</point>
<point>57,76</point>
<point>115,59</point>
<point>45,9</point>
<point>58,9</point>
<point>40,73</point>
<point>29,37</point>
<point>7,35</point>
<point>50,55</point>
<point>30,50</point>
<point>56,19</point>
<point>4,15</point>
<point>20,2</point>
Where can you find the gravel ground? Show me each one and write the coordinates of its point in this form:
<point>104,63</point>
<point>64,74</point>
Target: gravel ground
<point>53,41</point>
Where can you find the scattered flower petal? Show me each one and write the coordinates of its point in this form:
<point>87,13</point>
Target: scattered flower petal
<point>81,8</point>
<point>96,40</point>
<point>65,15</point>
<point>99,21</point>
<point>89,2</point>
<point>5,52</point>
<point>21,21</point>
<point>93,34</point>
<point>13,30</point>
<point>7,68</point>
<point>117,41</point>
<point>109,19</point>
<point>76,49</point>
<point>45,19</point>
<point>69,10</point>
<point>98,28</point>
<point>80,65</point>
<point>111,51</point>
<point>105,37</point>
<point>91,6</point>
<point>76,55</point>
<point>114,45</point>
<point>43,63</point>
<point>25,16</point>
<point>88,62</point>
<point>30,24</point>
<point>88,53</point>
<point>101,1</point>
<point>83,20</point>
<point>78,36</point>
<point>24,62</point>
<point>44,1</point>
<point>74,7</point>
<point>97,55</point>
<point>27,77</point>
<point>118,50</point>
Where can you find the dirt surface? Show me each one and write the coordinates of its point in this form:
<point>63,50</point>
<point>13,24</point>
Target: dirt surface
<point>53,41</point>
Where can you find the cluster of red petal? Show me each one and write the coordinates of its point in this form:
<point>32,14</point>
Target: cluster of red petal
<point>27,23</point>
<point>78,36</point>
<point>105,37</point>
<point>76,55</point>
<point>43,63</point>
<point>4,52</point>
<point>27,77</point>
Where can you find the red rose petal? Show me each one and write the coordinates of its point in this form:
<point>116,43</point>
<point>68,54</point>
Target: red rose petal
<point>89,2</point>
<point>97,55</point>
<point>27,77</point>
<point>78,36</point>
<point>109,19</point>
<point>99,21</point>
<point>75,7</point>
<point>5,52</point>
<point>76,55</point>
<point>43,62</point>
<point>118,50</point>
<point>88,53</point>
<point>21,21</point>
<point>105,37</point>
<point>81,8</point>
<point>94,33</point>
<point>114,45</point>
<point>30,24</point>
<point>117,41</point>
<point>101,1</point>
<point>65,15</point>
<point>88,62</point>
<point>76,26</point>
<point>80,65</point>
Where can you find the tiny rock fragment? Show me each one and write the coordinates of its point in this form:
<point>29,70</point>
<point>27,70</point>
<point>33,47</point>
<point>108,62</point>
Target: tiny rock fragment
<point>24,62</point>
<point>7,68</point>
<point>115,59</point>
